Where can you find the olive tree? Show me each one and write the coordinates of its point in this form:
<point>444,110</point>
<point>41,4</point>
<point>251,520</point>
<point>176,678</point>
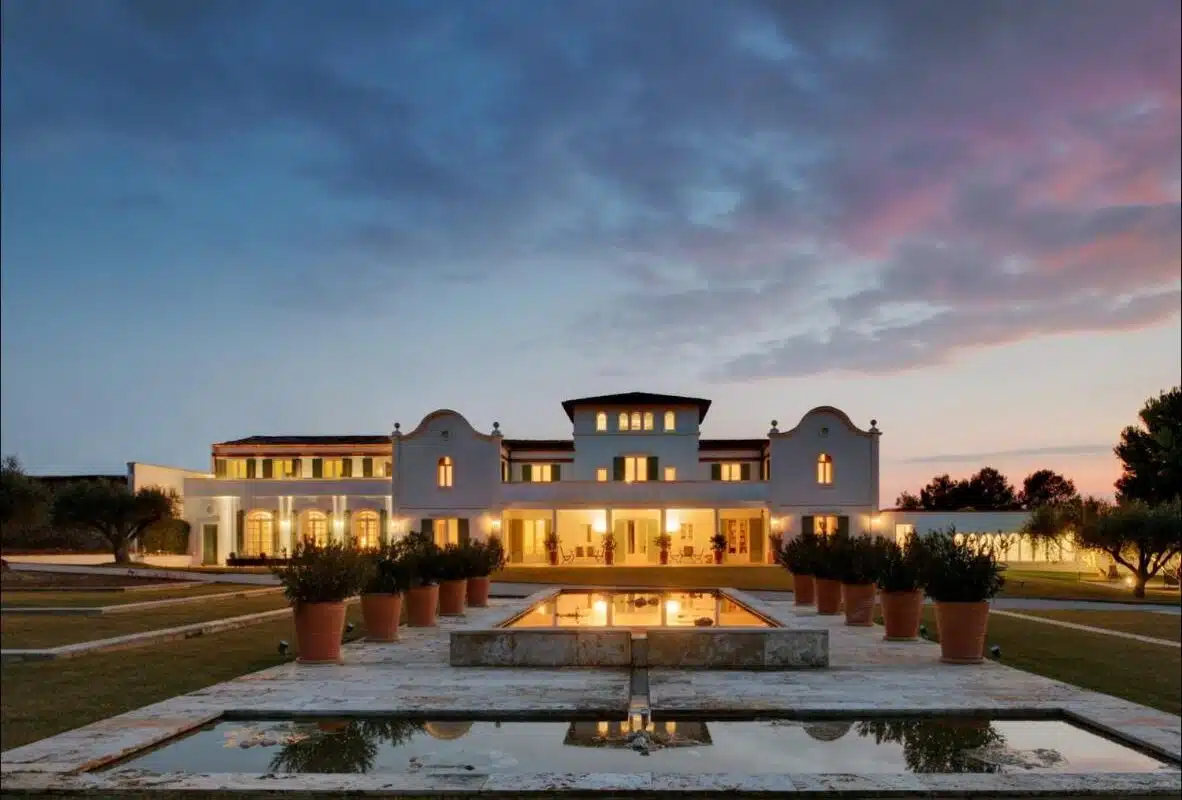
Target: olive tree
<point>114,511</point>
<point>1138,536</point>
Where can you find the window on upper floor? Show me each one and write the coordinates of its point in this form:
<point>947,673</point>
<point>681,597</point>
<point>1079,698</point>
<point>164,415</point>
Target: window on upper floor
<point>637,421</point>
<point>601,474</point>
<point>601,421</point>
<point>670,473</point>
<point>730,471</point>
<point>281,468</point>
<point>622,421</point>
<point>444,475</point>
<point>670,421</point>
<point>337,468</point>
<point>634,420</point>
<point>385,467</point>
<point>824,469</point>
<point>541,473</point>
<point>238,467</point>
<point>635,468</point>
<point>648,420</point>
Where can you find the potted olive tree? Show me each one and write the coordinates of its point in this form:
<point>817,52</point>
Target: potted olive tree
<point>664,542</point>
<point>551,544</point>
<point>453,580</point>
<point>799,557</point>
<point>961,580</point>
<point>422,557</point>
<point>718,545</point>
<point>317,580</point>
<point>484,558</point>
<point>381,596</point>
<point>900,588</point>
<point>828,553</point>
<point>860,561</point>
<point>609,548</point>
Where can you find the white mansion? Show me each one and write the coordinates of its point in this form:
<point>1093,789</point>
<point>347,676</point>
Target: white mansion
<point>635,464</point>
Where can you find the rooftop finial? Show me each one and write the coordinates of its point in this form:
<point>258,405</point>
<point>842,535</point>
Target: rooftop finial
<point>874,426</point>
<point>496,429</point>
<point>775,427</point>
<point>397,428</point>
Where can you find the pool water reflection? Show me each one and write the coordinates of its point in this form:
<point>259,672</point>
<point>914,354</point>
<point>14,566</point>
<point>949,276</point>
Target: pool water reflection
<point>393,745</point>
<point>639,609</point>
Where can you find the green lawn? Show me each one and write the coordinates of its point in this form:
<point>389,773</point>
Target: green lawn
<point>1148,674</point>
<point>1070,586</point>
<point>48,697</point>
<point>22,579</point>
<point>1145,623</point>
<point>760,577</point>
<point>31,631</point>
<point>93,599</point>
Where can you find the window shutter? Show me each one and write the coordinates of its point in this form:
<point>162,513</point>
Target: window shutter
<point>318,468</point>
<point>219,467</point>
<point>755,537</point>
<point>296,468</point>
<point>347,467</point>
<point>250,468</point>
<point>808,524</point>
<point>462,531</point>
<point>654,472</point>
<point>427,527</point>
<point>618,468</point>
<point>367,467</point>
<point>240,532</point>
<point>383,525</point>
<point>268,468</point>
<point>716,472</point>
<point>745,471</point>
<point>555,472</point>
<point>527,472</point>
<point>843,525</point>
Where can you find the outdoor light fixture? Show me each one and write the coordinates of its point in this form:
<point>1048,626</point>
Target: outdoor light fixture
<point>348,627</point>
<point>995,651</point>
<point>283,645</point>
<point>923,631</point>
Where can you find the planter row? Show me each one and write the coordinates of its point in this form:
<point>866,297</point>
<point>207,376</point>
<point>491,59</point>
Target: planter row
<point>320,626</point>
<point>960,626</point>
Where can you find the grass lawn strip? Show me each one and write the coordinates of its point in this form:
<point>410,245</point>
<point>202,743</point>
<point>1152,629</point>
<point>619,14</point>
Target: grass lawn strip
<point>1148,674</point>
<point>46,698</point>
<point>94,599</point>
<point>1143,623</point>
<point>1070,586</point>
<point>17,578</point>
<point>35,632</point>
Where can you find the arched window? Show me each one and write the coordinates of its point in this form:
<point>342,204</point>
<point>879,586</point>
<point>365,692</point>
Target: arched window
<point>623,421</point>
<point>635,420</point>
<point>601,421</point>
<point>315,527</point>
<point>366,529</point>
<point>670,421</point>
<point>445,472</point>
<point>257,537</point>
<point>824,469</point>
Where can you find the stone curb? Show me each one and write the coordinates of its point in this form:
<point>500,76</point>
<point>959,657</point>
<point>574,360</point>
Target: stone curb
<point>124,608</point>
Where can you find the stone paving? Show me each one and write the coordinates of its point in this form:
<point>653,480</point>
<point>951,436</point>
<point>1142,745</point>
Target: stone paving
<point>867,676</point>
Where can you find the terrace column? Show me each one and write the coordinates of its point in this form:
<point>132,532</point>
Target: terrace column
<point>286,523</point>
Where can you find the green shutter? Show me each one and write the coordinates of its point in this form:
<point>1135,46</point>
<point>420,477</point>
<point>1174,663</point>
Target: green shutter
<point>808,524</point>
<point>765,470</point>
<point>745,471</point>
<point>219,467</point>
<point>296,468</point>
<point>755,536</point>
<point>251,468</point>
<point>527,472</point>
<point>268,468</point>
<point>427,527</point>
<point>556,472</point>
<point>843,526</point>
<point>654,469</point>
<point>367,467</point>
<point>383,525</point>
<point>462,530</point>
<point>716,472</point>
<point>240,533</point>
<point>618,468</point>
<point>318,468</point>
<point>347,467</point>
<point>504,472</point>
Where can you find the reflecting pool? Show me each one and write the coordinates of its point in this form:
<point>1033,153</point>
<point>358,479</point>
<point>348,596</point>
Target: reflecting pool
<point>639,609</point>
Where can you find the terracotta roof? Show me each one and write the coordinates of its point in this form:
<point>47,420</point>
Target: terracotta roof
<point>540,444</point>
<point>310,440</point>
<point>636,399</point>
<point>732,444</point>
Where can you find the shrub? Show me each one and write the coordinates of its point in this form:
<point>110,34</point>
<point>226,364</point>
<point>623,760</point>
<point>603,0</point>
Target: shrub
<point>483,558</point>
<point>453,563</point>
<point>166,536</point>
<point>664,541</point>
<point>323,573</point>
<point>494,555</point>
<point>551,541</point>
<point>827,555</point>
<point>958,573</point>
<point>422,558</point>
<point>718,542</point>
<point>389,571</point>
<point>904,569</point>
<point>800,554</point>
<point>858,558</point>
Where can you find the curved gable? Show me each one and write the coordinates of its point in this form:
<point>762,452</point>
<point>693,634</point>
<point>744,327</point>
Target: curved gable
<point>428,423</point>
<point>837,414</point>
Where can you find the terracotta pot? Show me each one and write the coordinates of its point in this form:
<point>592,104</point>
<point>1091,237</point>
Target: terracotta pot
<point>961,627</point>
<point>609,557</point>
<point>900,614</point>
<point>858,599</point>
<point>421,604</point>
<point>319,627</point>
<point>717,556</point>
<point>553,558</point>
<point>478,591</point>
<point>451,597</point>
<point>380,613</point>
<point>333,727</point>
<point>804,590</point>
<point>664,556</point>
<point>827,596</point>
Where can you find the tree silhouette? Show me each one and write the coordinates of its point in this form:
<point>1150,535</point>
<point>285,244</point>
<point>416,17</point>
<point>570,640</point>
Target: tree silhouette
<point>1151,455</point>
<point>1046,487</point>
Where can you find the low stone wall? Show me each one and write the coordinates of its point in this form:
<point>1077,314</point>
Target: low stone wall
<point>737,648</point>
<point>542,647</point>
<point>95,559</point>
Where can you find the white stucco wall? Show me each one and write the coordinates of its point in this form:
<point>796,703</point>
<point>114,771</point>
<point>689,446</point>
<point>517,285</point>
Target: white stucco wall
<point>793,488</point>
<point>963,521</point>
<point>596,449</point>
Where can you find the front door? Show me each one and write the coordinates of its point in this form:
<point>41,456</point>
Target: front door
<point>209,543</point>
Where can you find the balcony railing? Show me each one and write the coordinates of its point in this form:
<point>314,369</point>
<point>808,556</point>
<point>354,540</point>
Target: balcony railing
<point>640,493</point>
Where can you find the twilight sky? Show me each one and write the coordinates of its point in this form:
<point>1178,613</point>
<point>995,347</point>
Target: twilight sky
<point>224,218</point>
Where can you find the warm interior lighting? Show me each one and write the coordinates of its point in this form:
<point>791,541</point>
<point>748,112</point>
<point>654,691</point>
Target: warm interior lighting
<point>672,523</point>
<point>600,606</point>
<point>672,607</point>
<point>542,610</point>
<point>1129,581</point>
<point>599,522</point>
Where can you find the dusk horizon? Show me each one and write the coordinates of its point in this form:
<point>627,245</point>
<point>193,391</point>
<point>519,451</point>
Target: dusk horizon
<point>223,220</point>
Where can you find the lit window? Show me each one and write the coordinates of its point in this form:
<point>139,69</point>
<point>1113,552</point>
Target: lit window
<point>670,473</point>
<point>823,526</point>
<point>648,420</point>
<point>670,421</point>
<point>732,472</point>
<point>334,467</point>
<point>256,539</point>
<point>541,473</point>
<point>384,467</point>
<point>445,472</point>
<point>601,474</point>
<point>824,469</point>
<point>634,420</point>
<point>601,421</point>
<point>447,531</point>
<point>623,423</point>
<point>284,468</point>
<point>903,533</point>
<point>365,529</point>
<point>636,468</point>
<point>236,467</point>
<point>315,528</point>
